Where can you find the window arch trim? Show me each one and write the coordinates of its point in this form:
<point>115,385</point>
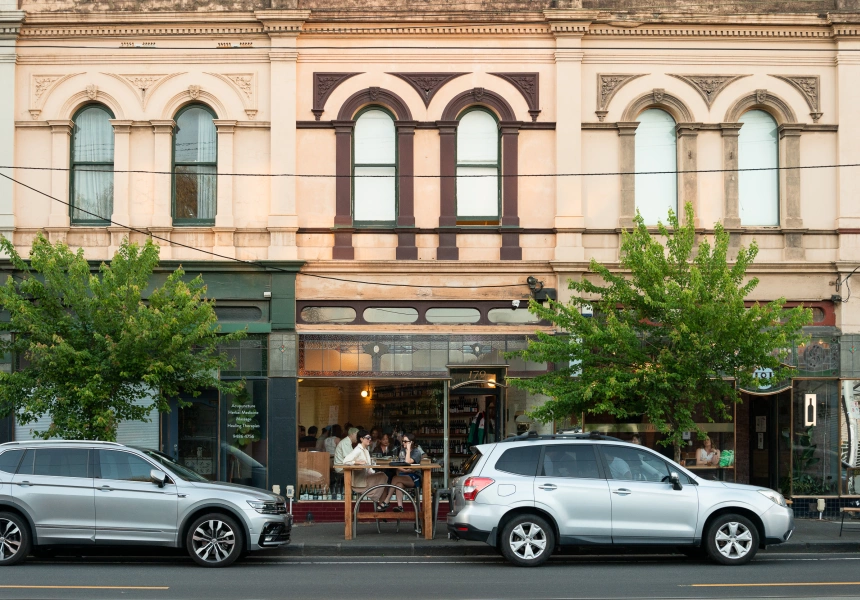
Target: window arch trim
<point>186,222</point>
<point>376,96</point>
<point>73,163</point>
<point>492,220</point>
<point>658,98</point>
<point>778,108</point>
<point>396,165</point>
<point>479,97</point>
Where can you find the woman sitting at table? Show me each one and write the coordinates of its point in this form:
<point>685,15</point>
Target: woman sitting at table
<point>384,447</point>
<point>707,455</point>
<point>366,478</point>
<point>406,478</point>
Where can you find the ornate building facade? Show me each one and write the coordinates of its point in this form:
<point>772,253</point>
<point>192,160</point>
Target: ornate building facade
<point>423,166</point>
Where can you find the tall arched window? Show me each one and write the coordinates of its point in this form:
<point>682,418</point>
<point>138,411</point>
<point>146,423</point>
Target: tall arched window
<point>374,171</point>
<point>758,148</point>
<point>92,166</point>
<point>195,167</point>
<point>656,160</point>
<point>478,168</point>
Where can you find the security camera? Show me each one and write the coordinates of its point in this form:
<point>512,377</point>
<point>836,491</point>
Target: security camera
<point>515,304</point>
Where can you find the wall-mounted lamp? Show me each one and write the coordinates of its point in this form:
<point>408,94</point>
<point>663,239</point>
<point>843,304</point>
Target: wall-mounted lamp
<point>364,393</point>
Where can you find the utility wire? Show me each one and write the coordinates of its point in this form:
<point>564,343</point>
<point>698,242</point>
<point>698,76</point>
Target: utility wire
<point>251,262</point>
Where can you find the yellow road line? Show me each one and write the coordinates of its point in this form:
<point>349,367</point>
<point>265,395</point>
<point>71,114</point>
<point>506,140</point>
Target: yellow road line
<point>775,584</point>
<point>81,587</point>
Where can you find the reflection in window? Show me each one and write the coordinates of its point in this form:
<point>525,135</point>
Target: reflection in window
<point>570,461</point>
<point>816,461</point>
<point>627,464</point>
<point>758,190</point>
<point>390,315</point>
<point>328,314</point>
<point>62,463</point>
<point>244,453</point>
<point>478,167</point>
<point>506,316</point>
<point>849,438</point>
<point>250,356</point>
<point>195,156</point>
<point>520,461</point>
<point>375,170</point>
<point>123,466</point>
<point>656,182</point>
<point>92,166</point>
<point>453,315</point>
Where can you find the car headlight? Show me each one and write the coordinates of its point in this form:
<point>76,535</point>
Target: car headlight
<point>774,497</point>
<point>266,508</point>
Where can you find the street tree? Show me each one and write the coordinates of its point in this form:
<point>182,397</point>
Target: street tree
<point>666,336</point>
<point>92,349</point>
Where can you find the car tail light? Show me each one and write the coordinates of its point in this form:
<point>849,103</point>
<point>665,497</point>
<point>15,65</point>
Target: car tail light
<point>473,486</point>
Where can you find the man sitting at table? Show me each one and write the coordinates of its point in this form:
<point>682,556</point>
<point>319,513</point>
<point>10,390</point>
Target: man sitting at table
<point>345,447</point>
<point>365,478</point>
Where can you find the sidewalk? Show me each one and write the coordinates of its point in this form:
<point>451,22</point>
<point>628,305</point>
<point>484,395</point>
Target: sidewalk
<point>326,539</point>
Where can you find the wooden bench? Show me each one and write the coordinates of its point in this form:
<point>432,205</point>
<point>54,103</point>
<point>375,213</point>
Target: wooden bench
<point>847,510</point>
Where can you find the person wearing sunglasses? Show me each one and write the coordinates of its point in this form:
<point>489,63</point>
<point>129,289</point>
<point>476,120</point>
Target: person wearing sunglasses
<point>366,478</point>
<point>410,453</point>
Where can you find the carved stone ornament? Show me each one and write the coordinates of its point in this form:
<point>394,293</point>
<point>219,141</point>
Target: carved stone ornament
<point>478,94</point>
<point>194,91</point>
<point>427,84</point>
<point>142,84</point>
<point>659,94</point>
<point>809,87</point>
<point>608,85</point>
<point>245,86</point>
<point>528,85</point>
<point>708,86</point>
<point>40,89</point>
<point>374,93</point>
<point>761,96</point>
<point>324,85</point>
<point>92,91</point>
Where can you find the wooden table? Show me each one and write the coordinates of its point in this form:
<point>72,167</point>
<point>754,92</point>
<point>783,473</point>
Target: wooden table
<point>426,490</point>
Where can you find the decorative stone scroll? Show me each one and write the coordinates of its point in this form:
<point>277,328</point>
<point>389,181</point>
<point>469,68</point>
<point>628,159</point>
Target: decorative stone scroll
<point>245,85</point>
<point>427,84</point>
<point>528,84</point>
<point>809,87</point>
<point>608,85</point>
<point>40,88</point>
<point>324,85</point>
<point>142,85</point>
<point>708,86</point>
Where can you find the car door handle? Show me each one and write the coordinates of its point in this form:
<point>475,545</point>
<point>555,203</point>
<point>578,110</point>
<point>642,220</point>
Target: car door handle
<point>106,488</point>
<point>548,487</point>
<point>24,483</point>
<point>622,492</point>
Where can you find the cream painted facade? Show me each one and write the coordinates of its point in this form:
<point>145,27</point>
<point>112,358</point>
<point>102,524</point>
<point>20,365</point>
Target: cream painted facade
<point>269,73</point>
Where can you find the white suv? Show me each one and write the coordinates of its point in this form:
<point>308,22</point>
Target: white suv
<point>530,494</point>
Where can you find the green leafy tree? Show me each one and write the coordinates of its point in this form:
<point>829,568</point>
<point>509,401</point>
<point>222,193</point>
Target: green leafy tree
<point>669,333</point>
<point>91,347</point>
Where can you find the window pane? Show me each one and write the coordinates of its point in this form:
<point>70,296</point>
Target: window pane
<point>390,315</point>
<point>247,443</point>
<point>849,444</point>
<point>328,314</point>
<point>196,139</point>
<point>656,153</point>
<point>632,465</point>
<point>570,461</point>
<point>506,316</point>
<point>477,139</point>
<point>123,466</point>
<point>66,462</point>
<point>195,192</point>
<point>520,461</point>
<point>26,466</point>
<point>374,194</point>
<point>374,139</point>
<point>93,136</point>
<point>9,460</point>
<point>477,192</point>
<point>453,315</point>
<point>92,192</point>
<point>758,148</point>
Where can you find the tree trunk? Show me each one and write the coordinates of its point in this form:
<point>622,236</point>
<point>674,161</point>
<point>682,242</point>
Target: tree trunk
<point>677,448</point>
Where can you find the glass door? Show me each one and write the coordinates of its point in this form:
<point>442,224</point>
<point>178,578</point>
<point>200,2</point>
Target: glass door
<point>190,434</point>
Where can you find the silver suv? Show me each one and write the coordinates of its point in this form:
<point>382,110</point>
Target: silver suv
<point>530,494</point>
<point>102,493</point>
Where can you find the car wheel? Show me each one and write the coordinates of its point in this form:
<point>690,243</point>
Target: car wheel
<point>732,540</point>
<point>527,541</point>
<point>214,540</point>
<point>15,539</point>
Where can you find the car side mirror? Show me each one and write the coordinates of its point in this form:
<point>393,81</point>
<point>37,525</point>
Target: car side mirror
<point>158,477</point>
<point>675,481</point>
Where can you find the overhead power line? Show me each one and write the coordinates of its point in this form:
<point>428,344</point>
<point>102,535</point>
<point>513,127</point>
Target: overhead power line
<point>252,262</point>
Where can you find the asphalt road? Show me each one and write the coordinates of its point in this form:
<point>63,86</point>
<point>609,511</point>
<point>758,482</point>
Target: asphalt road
<point>635,577</point>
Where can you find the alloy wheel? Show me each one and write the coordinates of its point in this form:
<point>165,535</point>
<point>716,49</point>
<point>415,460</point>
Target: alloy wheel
<point>734,540</point>
<point>10,539</point>
<point>213,541</point>
<point>528,541</point>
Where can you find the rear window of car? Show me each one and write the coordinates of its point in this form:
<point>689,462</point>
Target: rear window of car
<point>63,462</point>
<point>470,463</point>
<point>9,460</point>
<point>519,461</point>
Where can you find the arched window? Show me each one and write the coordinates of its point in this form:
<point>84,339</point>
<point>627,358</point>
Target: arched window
<point>92,166</point>
<point>656,182</point>
<point>195,167</point>
<point>374,172</point>
<point>758,148</point>
<point>478,168</point>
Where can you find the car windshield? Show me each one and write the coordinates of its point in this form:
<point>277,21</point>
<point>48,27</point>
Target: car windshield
<point>175,467</point>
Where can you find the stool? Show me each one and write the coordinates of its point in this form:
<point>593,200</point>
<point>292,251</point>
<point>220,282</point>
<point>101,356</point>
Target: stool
<point>441,492</point>
<point>849,510</point>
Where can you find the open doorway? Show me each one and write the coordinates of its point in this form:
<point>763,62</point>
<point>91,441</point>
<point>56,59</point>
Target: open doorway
<point>770,437</point>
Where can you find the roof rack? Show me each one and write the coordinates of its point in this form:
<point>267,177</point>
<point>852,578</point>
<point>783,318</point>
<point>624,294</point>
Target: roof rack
<point>40,442</point>
<point>535,436</point>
